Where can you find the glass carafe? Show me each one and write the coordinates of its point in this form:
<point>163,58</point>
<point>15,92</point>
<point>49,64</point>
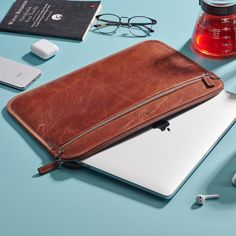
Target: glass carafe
<point>215,30</point>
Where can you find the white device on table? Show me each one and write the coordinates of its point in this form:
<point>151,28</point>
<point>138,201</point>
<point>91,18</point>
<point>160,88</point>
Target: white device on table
<point>161,161</point>
<point>200,199</point>
<point>17,75</point>
<point>234,179</point>
<point>44,49</point>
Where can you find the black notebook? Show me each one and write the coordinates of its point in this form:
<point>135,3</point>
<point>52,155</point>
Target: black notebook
<point>55,18</point>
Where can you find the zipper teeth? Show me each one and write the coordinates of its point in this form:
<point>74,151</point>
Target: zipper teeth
<point>138,105</point>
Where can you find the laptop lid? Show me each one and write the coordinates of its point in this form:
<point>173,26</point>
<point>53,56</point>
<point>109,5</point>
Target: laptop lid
<point>160,159</point>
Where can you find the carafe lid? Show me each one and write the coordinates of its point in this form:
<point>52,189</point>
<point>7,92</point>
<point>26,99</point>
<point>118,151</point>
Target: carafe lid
<point>218,7</point>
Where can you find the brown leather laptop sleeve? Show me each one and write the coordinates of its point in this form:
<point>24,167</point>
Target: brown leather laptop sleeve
<point>87,110</point>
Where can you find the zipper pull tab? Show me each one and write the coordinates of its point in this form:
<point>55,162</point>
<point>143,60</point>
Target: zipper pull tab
<point>49,167</point>
<point>207,80</point>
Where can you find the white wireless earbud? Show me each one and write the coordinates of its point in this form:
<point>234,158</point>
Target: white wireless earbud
<point>234,179</point>
<point>200,199</point>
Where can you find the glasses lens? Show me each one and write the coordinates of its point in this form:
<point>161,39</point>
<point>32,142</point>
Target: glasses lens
<point>140,26</point>
<point>108,23</point>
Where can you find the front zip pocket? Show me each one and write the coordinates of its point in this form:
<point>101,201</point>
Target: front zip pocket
<point>206,80</point>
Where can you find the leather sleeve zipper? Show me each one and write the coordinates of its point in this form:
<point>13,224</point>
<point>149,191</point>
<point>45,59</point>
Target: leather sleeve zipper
<point>50,166</point>
<point>56,164</point>
<point>206,79</point>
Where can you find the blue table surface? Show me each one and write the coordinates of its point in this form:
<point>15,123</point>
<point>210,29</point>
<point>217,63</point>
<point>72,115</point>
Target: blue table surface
<point>72,202</point>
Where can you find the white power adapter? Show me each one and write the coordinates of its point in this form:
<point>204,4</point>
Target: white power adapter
<point>44,49</point>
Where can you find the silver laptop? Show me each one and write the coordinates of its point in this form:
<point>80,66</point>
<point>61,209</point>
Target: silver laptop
<point>161,158</point>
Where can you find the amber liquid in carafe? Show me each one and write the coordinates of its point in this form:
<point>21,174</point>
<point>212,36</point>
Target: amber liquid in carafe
<point>215,35</point>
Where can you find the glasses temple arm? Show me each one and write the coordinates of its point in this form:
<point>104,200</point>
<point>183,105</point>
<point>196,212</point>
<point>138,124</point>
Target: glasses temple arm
<point>143,25</point>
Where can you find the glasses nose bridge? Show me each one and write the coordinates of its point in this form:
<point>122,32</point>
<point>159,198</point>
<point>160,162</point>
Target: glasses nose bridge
<point>124,17</point>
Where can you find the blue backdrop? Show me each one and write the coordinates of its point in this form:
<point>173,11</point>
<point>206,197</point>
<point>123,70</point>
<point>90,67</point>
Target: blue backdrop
<point>72,202</point>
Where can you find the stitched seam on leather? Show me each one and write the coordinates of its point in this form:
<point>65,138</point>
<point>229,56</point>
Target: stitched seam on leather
<point>132,108</point>
<point>48,145</point>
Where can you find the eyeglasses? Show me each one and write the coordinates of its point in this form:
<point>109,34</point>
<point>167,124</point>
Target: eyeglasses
<point>139,26</point>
